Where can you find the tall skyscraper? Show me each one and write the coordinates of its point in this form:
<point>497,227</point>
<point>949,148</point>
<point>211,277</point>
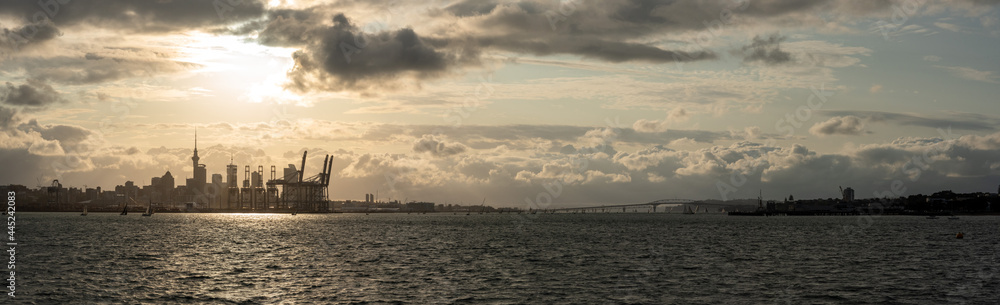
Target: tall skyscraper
<point>166,187</point>
<point>218,190</point>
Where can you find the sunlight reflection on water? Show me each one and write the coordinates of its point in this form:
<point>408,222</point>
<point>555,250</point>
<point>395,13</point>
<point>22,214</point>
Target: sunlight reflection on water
<point>445,258</point>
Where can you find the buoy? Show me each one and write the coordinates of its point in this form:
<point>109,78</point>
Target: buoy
<point>959,235</point>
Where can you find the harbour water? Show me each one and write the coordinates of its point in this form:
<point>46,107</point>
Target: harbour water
<point>65,258</point>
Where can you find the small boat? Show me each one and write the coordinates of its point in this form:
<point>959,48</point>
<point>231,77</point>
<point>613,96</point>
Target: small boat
<point>149,209</point>
<point>295,211</point>
<point>84,211</point>
<point>959,235</point>
<point>932,217</point>
<point>124,210</point>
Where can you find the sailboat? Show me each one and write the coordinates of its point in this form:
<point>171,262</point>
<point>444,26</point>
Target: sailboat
<point>84,211</point>
<point>125,210</point>
<point>687,210</point>
<point>149,209</point>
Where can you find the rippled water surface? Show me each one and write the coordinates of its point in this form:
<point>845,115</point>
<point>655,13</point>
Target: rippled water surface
<point>506,259</point>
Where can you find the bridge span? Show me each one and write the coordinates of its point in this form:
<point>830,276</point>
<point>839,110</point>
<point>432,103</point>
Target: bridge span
<point>607,208</point>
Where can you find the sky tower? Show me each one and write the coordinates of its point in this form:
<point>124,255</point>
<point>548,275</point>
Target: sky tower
<point>194,159</point>
<point>196,184</point>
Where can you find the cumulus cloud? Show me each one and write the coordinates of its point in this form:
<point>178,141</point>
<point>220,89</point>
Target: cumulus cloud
<point>644,125</point>
<point>647,173</point>
<point>658,126</point>
<point>846,125</point>
<point>33,93</point>
<point>432,145</point>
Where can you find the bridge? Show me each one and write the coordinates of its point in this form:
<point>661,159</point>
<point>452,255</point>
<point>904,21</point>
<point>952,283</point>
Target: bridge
<point>624,207</point>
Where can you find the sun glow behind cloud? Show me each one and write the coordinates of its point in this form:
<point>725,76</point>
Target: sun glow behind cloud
<point>257,71</point>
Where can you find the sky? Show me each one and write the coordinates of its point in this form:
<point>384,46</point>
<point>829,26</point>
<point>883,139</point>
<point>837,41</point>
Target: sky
<point>533,103</point>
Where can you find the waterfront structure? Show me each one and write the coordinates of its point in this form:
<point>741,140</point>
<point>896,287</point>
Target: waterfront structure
<point>305,194</point>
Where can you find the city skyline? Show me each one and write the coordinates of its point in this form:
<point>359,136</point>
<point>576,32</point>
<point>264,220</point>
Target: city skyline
<point>521,102</point>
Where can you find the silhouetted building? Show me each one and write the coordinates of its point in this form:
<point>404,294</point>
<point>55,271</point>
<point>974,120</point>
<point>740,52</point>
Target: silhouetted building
<point>165,187</point>
<point>92,194</point>
<point>129,191</point>
<point>231,175</point>
<point>849,194</point>
<point>217,190</point>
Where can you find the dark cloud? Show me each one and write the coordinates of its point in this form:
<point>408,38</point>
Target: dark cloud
<point>603,31</point>
<point>105,65</point>
<point>471,8</point>
<point>136,16</point>
<point>13,39</point>
<point>766,50</point>
<point>347,59</point>
<point>33,93</point>
<point>287,27</point>
<point>606,50</point>
<point>8,118</point>
<point>339,57</point>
